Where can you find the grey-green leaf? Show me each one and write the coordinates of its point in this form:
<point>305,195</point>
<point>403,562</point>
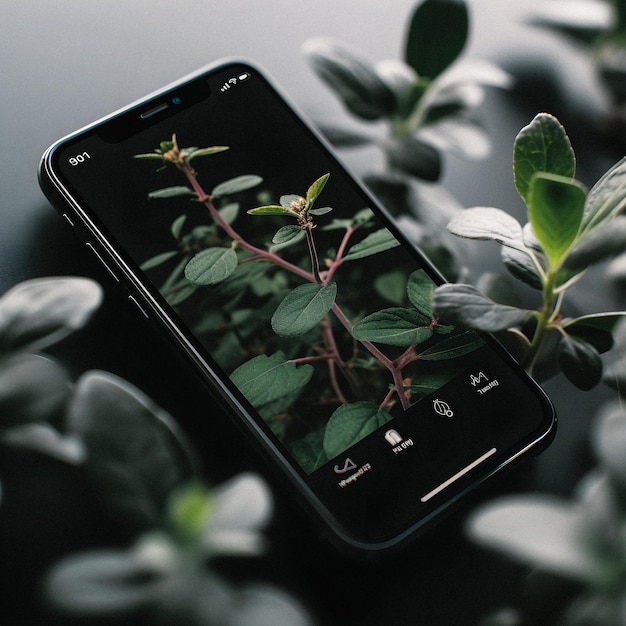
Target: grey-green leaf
<point>580,362</point>
<point>415,157</point>
<point>303,308</point>
<point>136,454</point>
<point>211,266</point>
<point>171,192</point>
<point>490,224</point>
<point>157,260</point>
<point>394,327</point>
<point>316,189</point>
<point>287,233</point>
<point>350,423</point>
<point>599,244</point>
<point>464,305</point>
<point>542,146</point>
<point>375,242</point>
<point>520,265</point>
<point>607,198</point>
<point>235,185</point>
<point>37,313</point>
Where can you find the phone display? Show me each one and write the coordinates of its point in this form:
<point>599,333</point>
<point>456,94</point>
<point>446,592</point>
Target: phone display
<point>236,229</point>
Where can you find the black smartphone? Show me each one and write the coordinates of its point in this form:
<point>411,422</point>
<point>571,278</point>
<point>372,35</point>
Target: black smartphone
<point>235,228</point>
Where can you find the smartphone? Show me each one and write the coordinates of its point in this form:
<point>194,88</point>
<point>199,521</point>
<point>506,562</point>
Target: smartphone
<point>234,228</point>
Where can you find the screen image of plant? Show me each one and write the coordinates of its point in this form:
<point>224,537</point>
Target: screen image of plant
<point>324,323</point>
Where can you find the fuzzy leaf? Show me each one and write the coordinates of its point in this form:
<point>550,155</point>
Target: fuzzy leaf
<point>211,266</point>
<point>171,192</point>
<point>303,308</point>
<point>235,185</point>
<point>580,362</point>
<point>350,423</point>
<point>490,224</point>
<point>271,209</point>
<point>555,210</point>
<point>316,189</point>
<point>177,226</point>
<point>394,327</point>
<point>287,233</point>
<point>437,35</point>
<point>38,313</point>
<point>542,146</point>
<point>266,380</point>
<point>453,347</point>
<point>378,241</point>
<point>607,198</point>
<point>464,305</point>
<point>419,289</point>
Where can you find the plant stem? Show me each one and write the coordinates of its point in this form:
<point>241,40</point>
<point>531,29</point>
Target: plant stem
<point>231,232</point>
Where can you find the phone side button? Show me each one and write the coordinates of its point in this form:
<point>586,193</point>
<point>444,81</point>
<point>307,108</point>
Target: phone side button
<point>138,306</point>
<point>103,262</point>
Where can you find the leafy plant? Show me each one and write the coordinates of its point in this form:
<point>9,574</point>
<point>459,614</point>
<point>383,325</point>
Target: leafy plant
<point>600,27</point>
<point>142,471</point>
<point>426,99</point>
<point>569,229</point>
<point>282,318</point>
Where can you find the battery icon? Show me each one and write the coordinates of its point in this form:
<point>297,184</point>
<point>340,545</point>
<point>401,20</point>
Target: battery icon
<point>244,76</point>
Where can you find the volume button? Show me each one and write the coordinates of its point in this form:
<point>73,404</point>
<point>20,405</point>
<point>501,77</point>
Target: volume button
<point>103,262</point>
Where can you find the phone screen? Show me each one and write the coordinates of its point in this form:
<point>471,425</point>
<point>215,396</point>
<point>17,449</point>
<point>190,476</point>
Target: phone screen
<point>261,254</point>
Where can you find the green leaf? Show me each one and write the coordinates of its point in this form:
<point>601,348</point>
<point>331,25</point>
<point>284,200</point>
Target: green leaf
<point>392,286</point>
<point>375,242</point>
<point>287,233</point>
<point>419,289</point>
<point>316,189</point>
<point>157,260</point>
<point>555,210</point>
<point>235,185</point>
<point>463,305</point>
<point>603,242</point>
<point>580,362</point>
<point>607,198</point>
<point>171,192</point>
<point>437,35</point>
<point>542,146</point>
<point>303,308</point>
<point>350,423</point>
<point>425,384</point>
<point>211,266</point>
<point>415,157</point>
<point>229,212</point>
<point>267,380</point>
<point>453,347</point>
<point>189,508</point>
<point>149,156</point>
<point>271,209</point>
<point>309,451</point>
<point>38,313</point>
<point>489,224</point>
<point>199,152</point>
<point>353,79</point>
<point>394,327</point>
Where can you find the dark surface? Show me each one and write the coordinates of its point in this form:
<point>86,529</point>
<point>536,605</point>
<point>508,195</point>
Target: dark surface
<point>66,63</point>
